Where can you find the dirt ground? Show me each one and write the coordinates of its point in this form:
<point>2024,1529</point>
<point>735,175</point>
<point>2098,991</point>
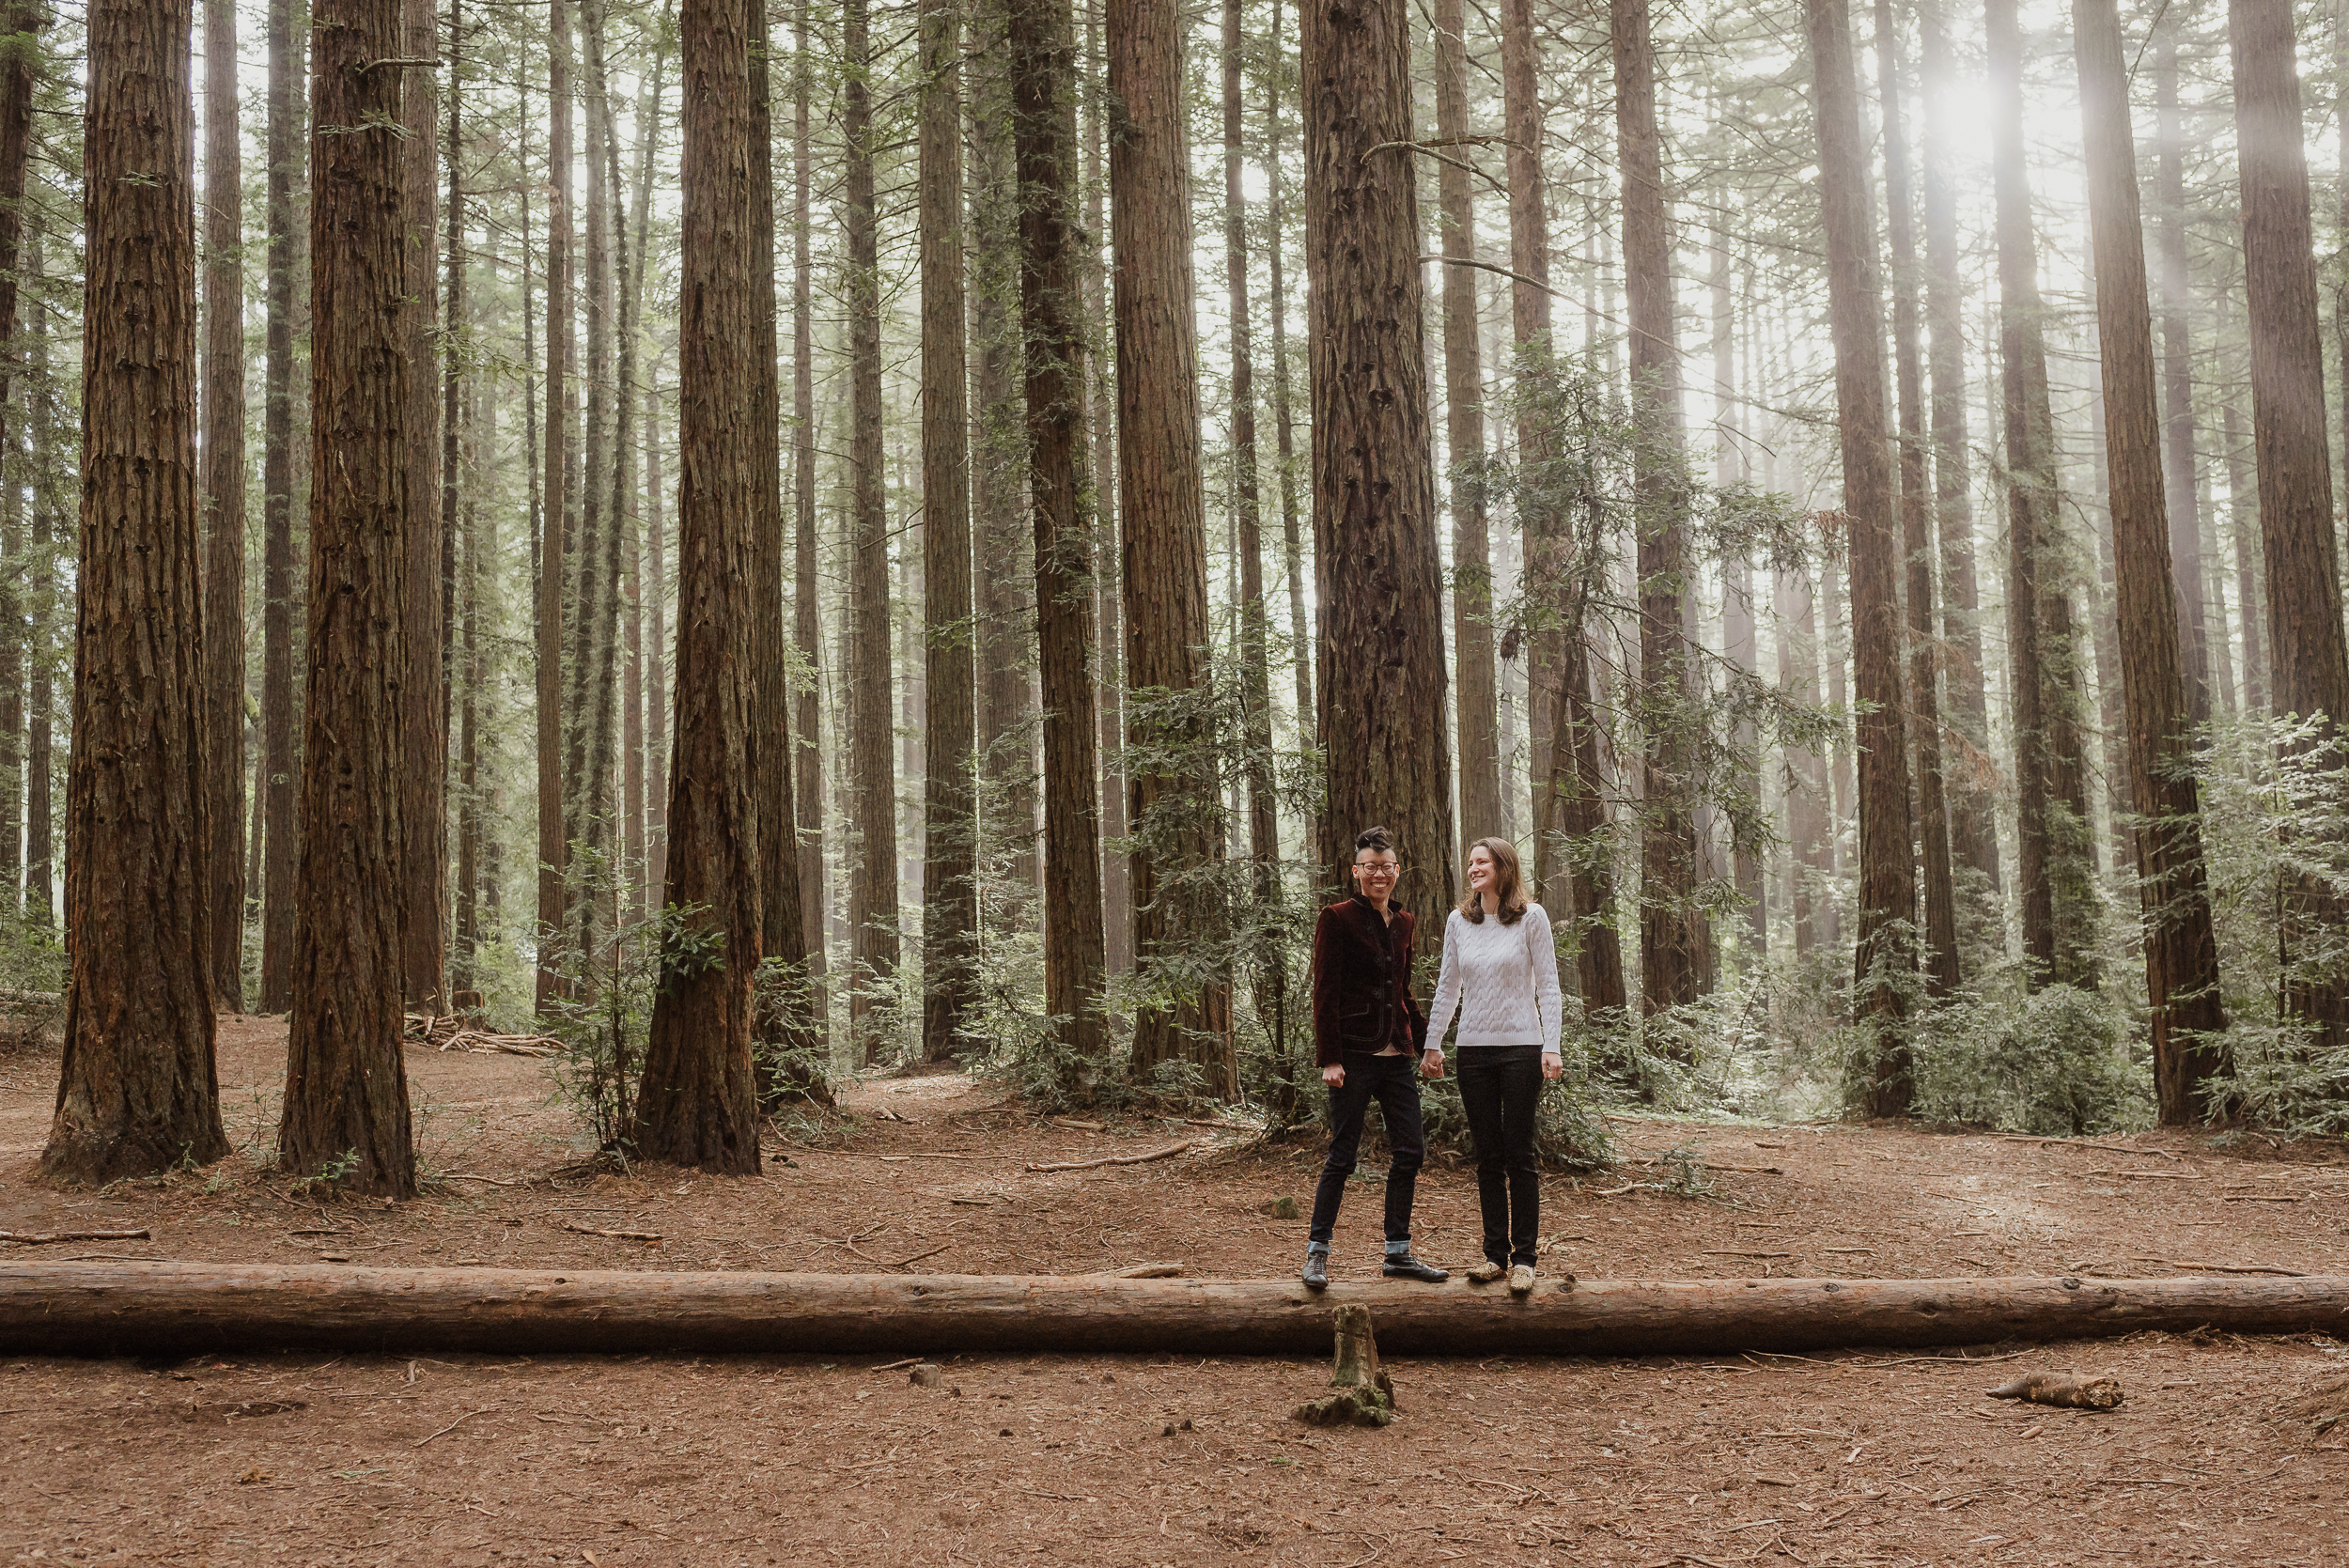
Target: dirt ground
<point>1864,1457</point>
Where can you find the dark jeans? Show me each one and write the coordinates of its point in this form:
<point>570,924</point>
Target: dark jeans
<point>1499,1086</point>
<point>1393,1080</point>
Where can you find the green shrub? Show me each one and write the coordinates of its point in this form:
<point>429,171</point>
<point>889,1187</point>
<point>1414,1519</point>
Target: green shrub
<point>2051,1061</point>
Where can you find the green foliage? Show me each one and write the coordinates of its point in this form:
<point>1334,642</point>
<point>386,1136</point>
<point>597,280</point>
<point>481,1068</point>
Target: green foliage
<point>2051,1061</point>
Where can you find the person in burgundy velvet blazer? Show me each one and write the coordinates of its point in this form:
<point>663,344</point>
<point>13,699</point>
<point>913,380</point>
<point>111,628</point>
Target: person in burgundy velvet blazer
<point>1368,1035</point>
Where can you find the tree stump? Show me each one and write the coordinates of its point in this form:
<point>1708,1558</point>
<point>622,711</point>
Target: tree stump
<point>1366,1395</point>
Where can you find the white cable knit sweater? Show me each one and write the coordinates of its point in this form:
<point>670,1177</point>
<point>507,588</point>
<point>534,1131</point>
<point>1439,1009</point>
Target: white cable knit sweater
<point>1501,979</point>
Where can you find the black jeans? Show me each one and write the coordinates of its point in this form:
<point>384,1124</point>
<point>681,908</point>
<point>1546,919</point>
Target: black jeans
<point>1499,1086</point>
<point>1395,1081</point>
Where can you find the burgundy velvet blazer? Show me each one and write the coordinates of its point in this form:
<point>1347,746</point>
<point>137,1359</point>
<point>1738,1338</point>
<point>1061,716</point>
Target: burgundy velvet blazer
<point>1363,982</point>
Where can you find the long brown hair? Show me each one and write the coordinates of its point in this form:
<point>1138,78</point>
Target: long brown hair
<point>1508,883</point>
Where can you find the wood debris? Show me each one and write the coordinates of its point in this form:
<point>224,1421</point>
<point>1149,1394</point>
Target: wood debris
<point>1121,1159</point>
<point>42,1238</point>
<point>457,1031</point>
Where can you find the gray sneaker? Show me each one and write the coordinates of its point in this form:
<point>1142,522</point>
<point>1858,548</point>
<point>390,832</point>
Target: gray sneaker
<point>1316,1270</point>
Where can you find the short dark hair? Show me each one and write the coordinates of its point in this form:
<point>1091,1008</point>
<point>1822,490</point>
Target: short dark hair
<point>1374,839</point>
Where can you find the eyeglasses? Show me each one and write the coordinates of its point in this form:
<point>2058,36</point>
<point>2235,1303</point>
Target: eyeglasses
<point>1375,870</point>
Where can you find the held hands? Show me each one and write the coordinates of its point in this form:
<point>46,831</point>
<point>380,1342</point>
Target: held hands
<point>1334,1075</point>
<point>1431,1064</point>
<point>1552,1064</point>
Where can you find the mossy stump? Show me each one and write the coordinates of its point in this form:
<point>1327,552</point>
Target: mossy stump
<point>1366,1395</point>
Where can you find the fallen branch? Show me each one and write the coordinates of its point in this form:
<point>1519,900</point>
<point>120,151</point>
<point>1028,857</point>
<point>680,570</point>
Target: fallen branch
<point>112,1308</point>
<point>42,1238</point>
<point>450,1427</point>
<point>919,1256</point>
<point>2061,1388</point>
<point>455,1032</point>
<point>1120,1160</point>
<point>575,1226</point>
<point>2083,1143</point>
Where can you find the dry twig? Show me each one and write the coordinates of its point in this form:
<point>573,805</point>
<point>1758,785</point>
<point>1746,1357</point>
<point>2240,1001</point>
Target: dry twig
<point>1120,1160</point>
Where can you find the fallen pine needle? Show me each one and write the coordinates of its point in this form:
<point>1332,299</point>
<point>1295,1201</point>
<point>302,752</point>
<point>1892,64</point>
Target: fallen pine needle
<point>1119,1160</point>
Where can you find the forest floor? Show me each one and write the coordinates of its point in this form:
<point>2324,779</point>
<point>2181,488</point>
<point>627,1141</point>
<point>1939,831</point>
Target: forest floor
<point>1109,1461</point>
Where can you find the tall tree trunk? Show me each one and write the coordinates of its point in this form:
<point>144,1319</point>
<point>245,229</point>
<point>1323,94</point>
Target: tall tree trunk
<point>1256,644</point>
<point>1973,818</point>
<point>1888,887</point>
<point>1284,424</point>
<point>279,701</point>
<point>457,497</point>
<point>950,886</point>
<point>424,772</point>
<point>2310,664</point>
<point>1916,516</point>
<point>1044,129</point>
<point>39,837</point>
<point>656,683</point>
<point>640,511</point>
<point>1672,931</point>
<point>1464,419</point>
<point>2243,522</point>
<point>1109,637</point>
<point>808,793</point>
<point>345,1109</point>
<point>138,1092</point>
<point>697,1105</point>
<point>1806,785</point>
<point>223,458</point>
<point>1738,617</point>
<point>2051,810</point>
<point>553,844</point>
<point>2186,527</point>
<point>1163,513</point>
<point>1377,576</point>
<point>873,886</point>
<point>2180,947</point>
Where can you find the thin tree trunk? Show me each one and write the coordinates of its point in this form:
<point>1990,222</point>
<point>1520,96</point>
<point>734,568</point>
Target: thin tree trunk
<point>1738,615</point>
<point>657,715</point>
<point>553,844</point>
<point>873,779</point>
<point>454,494</point>
<point>2186,527</point>
<point>1805,782</point>
<point>1284,424</point>
<point>346,1110</point>
<point>950,886</point>
<point>39,846</point>
<point>1377,575</point>
<point>279,703</point>
<point>424,771</point>
<point>643,508</point>
<point>1939,955</point>
<point>808,794</point>
<point>223,459</point>
<point>1887,890</point>
<point>1164,514</point>
<point>2310,664</point>
<point>1044,129</point>
<point>2180,947</point>
<point>138,1092</point>
<point>1464,420</point>
<point>1109,638</point>
<point>698,1106</point>
<point>1672,929</point>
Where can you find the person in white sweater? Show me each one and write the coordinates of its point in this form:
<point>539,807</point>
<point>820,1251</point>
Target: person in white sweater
<point>1501,977</point>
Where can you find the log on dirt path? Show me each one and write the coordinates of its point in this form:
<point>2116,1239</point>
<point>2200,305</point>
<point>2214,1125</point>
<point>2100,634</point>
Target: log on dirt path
<point>154,1308</point>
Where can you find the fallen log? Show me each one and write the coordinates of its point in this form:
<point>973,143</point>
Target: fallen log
<point>2064,1389</point>
<point>109,1308</point>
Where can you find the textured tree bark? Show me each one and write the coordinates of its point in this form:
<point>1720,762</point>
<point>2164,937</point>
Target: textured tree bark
<point>1887,888</point>
<point>138,1092</point>
<point>1044,136</point>
<point>950,886</point>
<point>635,864</point>
<point>698,1105</point>
<point>280,703</point>
<point>1530,321</point>
<point>553,845</point>
<point>424,772</point>
<point>163,1309</point>
<point>1973,815</point>
<point>1939,930</point>
<point>1476,701</point>
<point>808,792</point>
<point>346,1110</point>
<point>1174,807</point>
<point>465,663</point>
<point>2180,945</point>
<point>223,454</point>
<point>872,770</point>
<point>1108,593</point>
<point>2309,666</point>
<point>1375,572</point>
<point>41,700</point>
<point>1283,424</point>
<point>1255,677</point>
<point>1672,936</point>
<point>2243,522</point>
<point>2177,376</point>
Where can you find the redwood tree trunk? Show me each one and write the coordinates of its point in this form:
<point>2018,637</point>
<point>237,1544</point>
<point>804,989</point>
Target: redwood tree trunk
<point>1376,571</point>
<point>1163,502</point>
<point>808,786</point>
<point>1044,130</point>
<point>698,1106</point>
<point>1888,887</point>
<point>2181,948</point>
<point>138,1092</point>
<point>424,771</point>
<point>950,887</point>
<point>2177,378</point>
<point>1255,678</point>
<point>223,458</point>
<point>279,704</point>
<point>552,845</point>
<point>2309,660</point>
<point>345,1111</point>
